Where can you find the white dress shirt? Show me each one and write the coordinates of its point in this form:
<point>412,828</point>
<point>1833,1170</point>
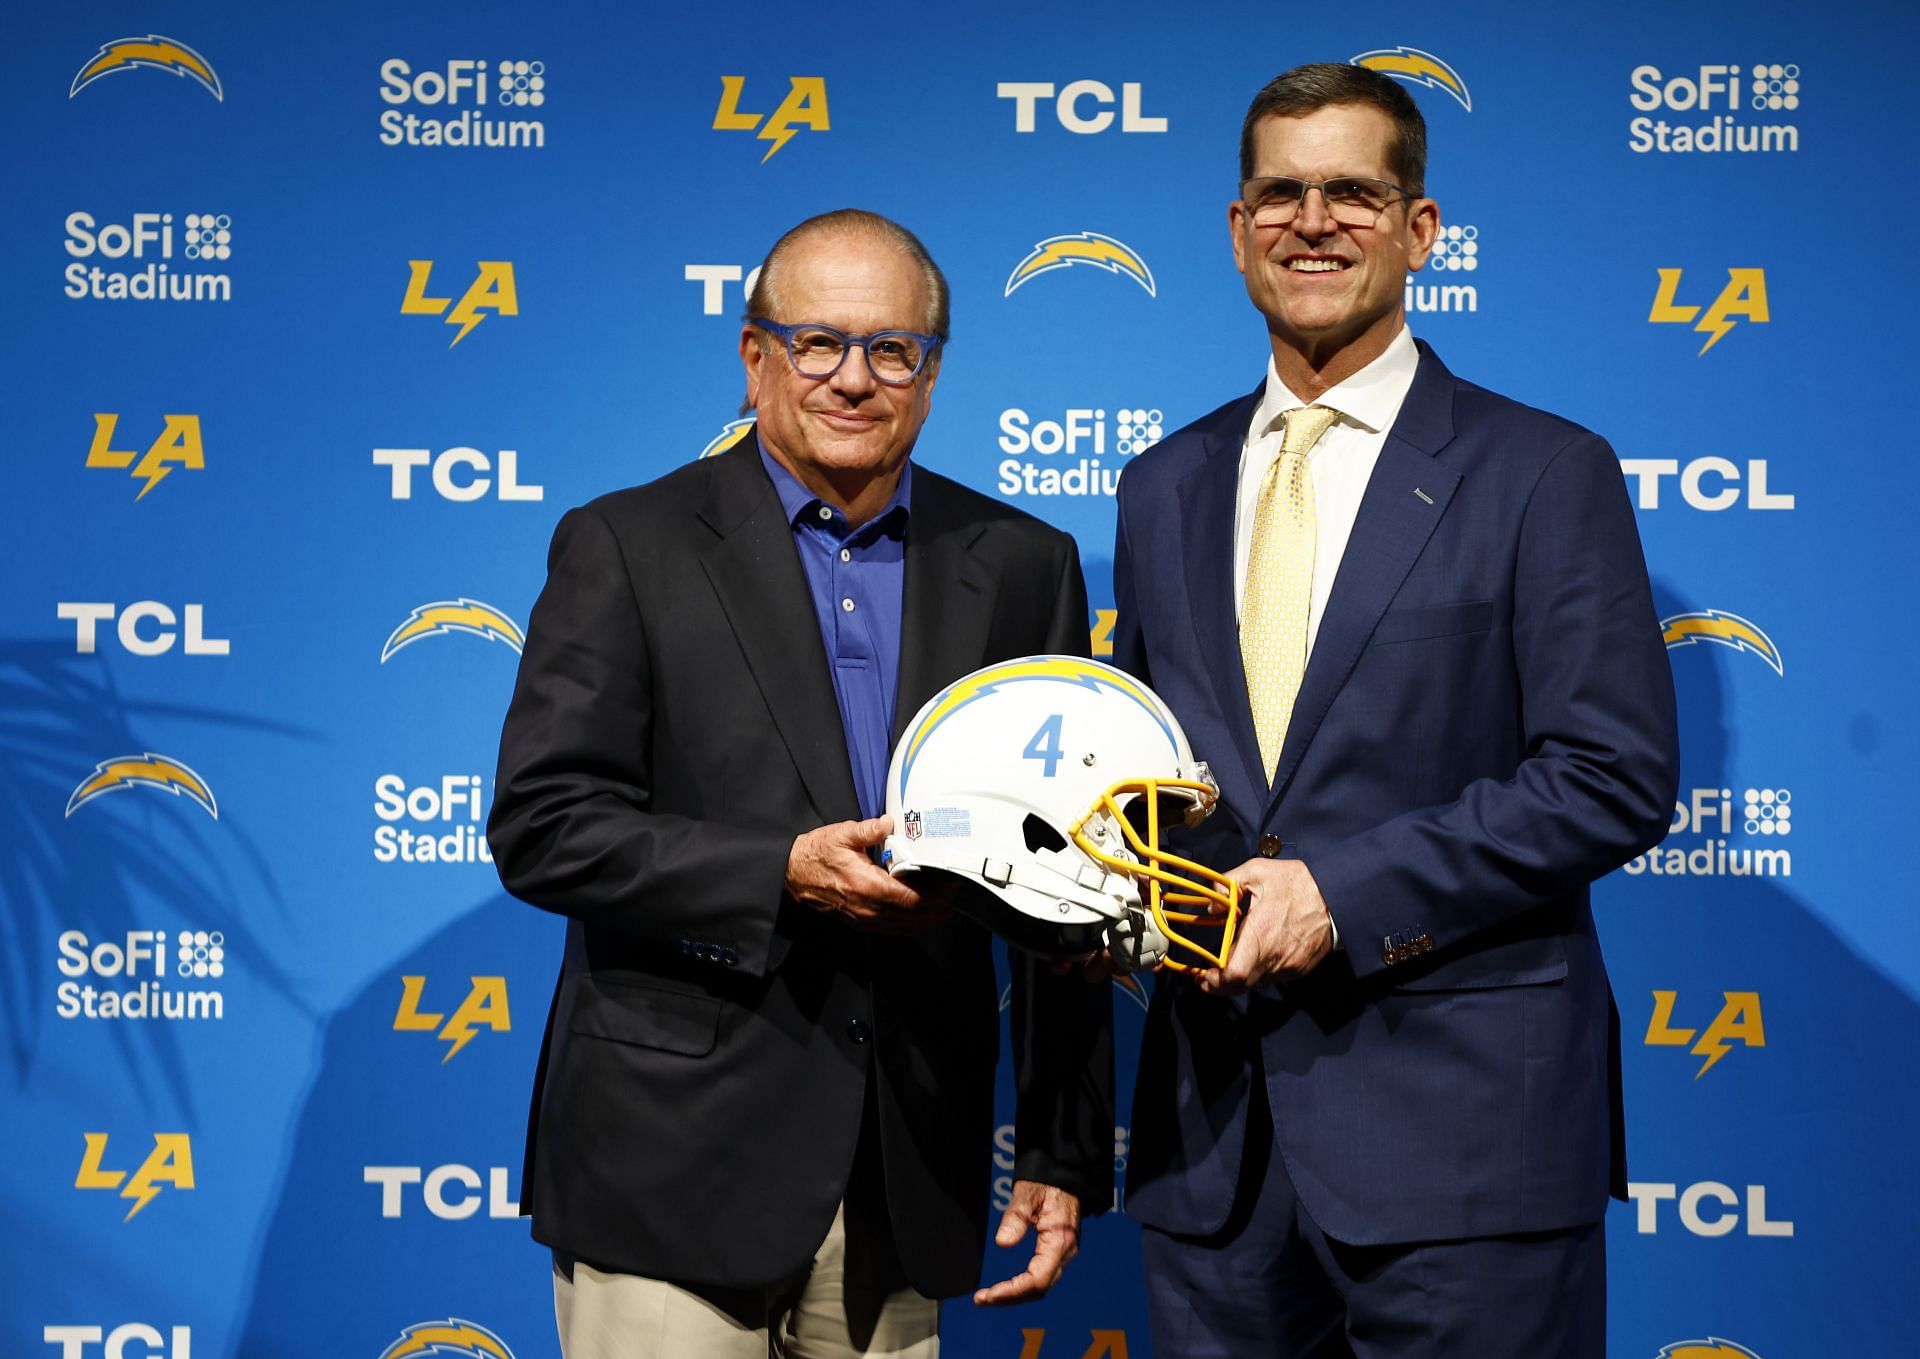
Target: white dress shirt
<point>1341,463</point>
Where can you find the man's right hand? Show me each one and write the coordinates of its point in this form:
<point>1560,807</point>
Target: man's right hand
<point>829,870</point>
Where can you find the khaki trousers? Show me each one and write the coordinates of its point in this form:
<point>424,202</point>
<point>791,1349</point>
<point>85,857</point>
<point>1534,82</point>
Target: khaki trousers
<point>817,1314</point>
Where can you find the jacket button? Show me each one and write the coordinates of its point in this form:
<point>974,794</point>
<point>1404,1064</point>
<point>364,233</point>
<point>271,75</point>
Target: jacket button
<point>729,957</point>
<point>1269,846</point>
<point>859,1031</point>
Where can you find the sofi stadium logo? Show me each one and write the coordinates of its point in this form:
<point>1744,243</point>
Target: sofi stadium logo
<point>1456,250</point>
<point>452,1338</point>
<point>149,53</point>
<point>100,1342</point>
<point>463,103</point>
<point>141,974</point>
<point>1090,248</point>
<point>1731,107</point>
<point>1724,833</point>
<point>1080,453</point>
<point>438,822</point>
<point>150,257</point>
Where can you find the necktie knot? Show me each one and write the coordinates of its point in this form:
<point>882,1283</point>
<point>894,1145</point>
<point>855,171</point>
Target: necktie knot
<point>1303,425</point>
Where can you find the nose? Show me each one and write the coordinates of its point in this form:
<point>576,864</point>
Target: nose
<point>1314,222</point>
<point>854,377</point>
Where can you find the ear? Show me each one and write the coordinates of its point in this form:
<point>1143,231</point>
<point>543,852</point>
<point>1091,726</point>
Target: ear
<point>1237,231</point>
<point>1423,228</point>
<point>752,356</point>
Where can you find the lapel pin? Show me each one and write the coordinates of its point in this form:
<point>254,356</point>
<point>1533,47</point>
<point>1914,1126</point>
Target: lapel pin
<point>1423,495</point>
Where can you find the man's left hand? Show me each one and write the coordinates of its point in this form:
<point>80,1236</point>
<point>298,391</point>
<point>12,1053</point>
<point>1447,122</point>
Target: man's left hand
<point>1054,1214</point>
<point>1285,929</point>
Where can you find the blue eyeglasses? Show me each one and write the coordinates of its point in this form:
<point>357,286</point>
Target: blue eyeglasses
<point>816,351</point>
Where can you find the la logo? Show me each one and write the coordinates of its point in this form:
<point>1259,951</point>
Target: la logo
<point>170,1162</point>
<point>804,106</point>
<point>178,445</point>
<point>491,290</point>
<point>484,1008</point>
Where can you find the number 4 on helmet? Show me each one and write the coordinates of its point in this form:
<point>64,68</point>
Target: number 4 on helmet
<point>1048,782</point>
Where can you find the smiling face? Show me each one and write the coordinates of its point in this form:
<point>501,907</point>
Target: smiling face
<point>844,437</point>
<point>1332,294</point>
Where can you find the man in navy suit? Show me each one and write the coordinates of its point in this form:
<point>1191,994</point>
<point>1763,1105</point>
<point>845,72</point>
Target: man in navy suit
<point>1408,623</point>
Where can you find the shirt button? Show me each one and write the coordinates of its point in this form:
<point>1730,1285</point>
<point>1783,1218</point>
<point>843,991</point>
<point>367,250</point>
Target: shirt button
<point>846,606</point>
<point>1269,846</point>
<point>825,513</point>
<point>846,554</point>
<point>858,1030</point>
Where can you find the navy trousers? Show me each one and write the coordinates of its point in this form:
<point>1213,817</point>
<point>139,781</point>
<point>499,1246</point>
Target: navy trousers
<point>1272,1285</point>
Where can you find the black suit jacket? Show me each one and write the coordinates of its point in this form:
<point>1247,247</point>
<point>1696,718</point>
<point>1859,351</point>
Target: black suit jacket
<point>710,1041</point>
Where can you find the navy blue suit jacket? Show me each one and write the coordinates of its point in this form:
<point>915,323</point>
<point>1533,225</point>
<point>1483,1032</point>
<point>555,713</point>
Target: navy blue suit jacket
<point>1486,725</point>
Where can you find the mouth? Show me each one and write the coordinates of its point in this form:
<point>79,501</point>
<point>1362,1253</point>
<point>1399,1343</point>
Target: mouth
<point>1316,264</point>
<point>850,421</point>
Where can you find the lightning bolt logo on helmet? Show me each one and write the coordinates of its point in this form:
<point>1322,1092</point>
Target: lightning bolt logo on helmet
<point>453,1338</point>
<point>1722,629</point>
<point>143,771</point>
<point>454,615</point>
<point>1411,65</point>
<point>161,54</point>
<point>1087,247</point>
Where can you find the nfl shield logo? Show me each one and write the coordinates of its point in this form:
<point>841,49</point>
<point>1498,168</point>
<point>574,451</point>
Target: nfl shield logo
<point>913,825</point>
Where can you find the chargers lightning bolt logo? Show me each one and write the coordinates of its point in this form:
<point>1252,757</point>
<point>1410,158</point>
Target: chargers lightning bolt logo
<point>453,1338</point>
<point>733,433</point>
<point>162,54</point>
<point>1710,1348</point>
<point>1415,67</point>
<point>1088,247</point>
<point>454,615</point>
<point>143,771</point>
<point>1722,629</point>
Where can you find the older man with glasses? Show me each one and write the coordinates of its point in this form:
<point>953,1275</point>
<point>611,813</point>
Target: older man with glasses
<point>763,1118</point>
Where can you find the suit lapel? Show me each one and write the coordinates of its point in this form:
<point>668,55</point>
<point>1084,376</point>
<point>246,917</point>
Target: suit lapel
<point>1207,496</point>
<point>947,609</point>
<point>756,573</point>
<point>1404,500</point>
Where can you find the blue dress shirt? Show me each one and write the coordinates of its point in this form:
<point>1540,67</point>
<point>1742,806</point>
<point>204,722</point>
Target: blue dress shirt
<point>857,581</point>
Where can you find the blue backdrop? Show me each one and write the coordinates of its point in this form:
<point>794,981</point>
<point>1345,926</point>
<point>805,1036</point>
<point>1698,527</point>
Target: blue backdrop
<point>318,320</point>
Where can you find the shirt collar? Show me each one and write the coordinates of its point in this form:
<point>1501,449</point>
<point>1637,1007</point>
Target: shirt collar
<point>802,506</point>
<point>1370,398</point>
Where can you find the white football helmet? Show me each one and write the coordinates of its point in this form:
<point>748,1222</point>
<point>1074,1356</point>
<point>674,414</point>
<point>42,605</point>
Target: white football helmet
<point>1047,780</point>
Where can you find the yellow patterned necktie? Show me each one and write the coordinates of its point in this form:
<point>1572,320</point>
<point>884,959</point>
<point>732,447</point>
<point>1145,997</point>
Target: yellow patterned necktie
<point>1273,614</point>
